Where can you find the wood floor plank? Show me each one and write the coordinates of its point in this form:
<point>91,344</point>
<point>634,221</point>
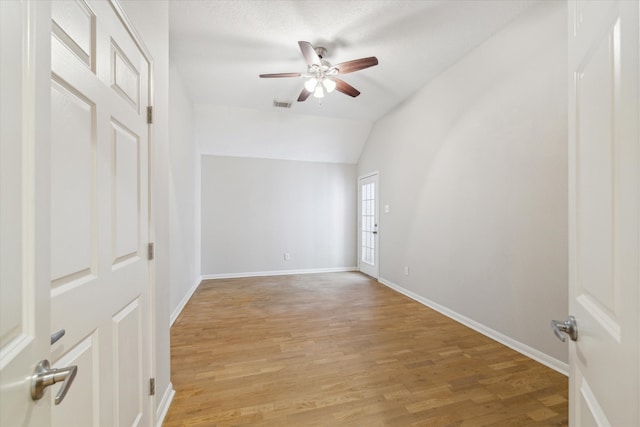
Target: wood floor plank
<point>340,349</point>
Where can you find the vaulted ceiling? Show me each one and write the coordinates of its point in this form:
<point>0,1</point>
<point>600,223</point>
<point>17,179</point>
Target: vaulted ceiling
<point>220,47</point>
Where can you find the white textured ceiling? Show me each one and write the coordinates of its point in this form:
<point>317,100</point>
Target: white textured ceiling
<point>220,47</point>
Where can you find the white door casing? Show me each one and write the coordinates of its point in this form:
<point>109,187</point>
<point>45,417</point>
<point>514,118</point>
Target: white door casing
<point>85,228</point>
<point>604,213</point>
<point>368,225</point>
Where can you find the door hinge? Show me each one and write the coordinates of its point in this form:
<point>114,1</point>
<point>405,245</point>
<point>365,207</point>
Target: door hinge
<point>152,386</point>
<point>150,251</point>
<point>149,114</point>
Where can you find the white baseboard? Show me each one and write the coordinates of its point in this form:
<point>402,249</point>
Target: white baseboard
<point>184,301</point>
<point>165,403</point>
<point>277,273</point>
<point>534,354</point>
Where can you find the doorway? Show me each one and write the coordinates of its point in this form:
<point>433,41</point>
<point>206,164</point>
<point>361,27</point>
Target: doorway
<point>368,224</point>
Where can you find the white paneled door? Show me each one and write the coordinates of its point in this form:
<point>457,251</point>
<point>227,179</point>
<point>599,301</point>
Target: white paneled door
<point>84,236</point>
<point>604,233</point>
<point>24,291</point>
<point>368,225</point>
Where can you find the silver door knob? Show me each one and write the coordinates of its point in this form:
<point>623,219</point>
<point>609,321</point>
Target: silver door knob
<point>45,375</point>
<point>569,327</point>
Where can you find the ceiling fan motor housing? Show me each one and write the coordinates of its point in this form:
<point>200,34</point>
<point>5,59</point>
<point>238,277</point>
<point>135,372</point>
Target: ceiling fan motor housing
<point>320,51</point>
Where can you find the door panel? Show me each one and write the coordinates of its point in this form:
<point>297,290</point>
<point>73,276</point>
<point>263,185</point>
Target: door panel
<point>604,227</point>
<point>73,168</point>
<point>595,88</point>
<point>83,395</point>
<point>73,24</point>
<point>126,194</point>
<point>99,214</point>
<point>127,334</point>
<point>124,76</point>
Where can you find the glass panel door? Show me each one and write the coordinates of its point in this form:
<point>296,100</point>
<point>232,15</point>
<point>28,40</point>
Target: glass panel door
<point>368,224</point>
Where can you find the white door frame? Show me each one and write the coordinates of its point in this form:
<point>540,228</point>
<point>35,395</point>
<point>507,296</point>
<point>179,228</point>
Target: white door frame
<point>373,271</point>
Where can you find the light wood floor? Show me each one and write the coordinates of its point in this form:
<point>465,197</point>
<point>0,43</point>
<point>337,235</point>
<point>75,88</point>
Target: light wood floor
<point>340,349</point>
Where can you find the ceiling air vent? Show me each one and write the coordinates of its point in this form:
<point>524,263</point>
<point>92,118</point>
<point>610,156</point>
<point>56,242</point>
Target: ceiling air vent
<point>281,104</point>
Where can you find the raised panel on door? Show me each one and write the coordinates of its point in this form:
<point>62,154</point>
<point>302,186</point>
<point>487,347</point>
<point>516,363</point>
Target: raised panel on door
<point>125,77</point>
<point>84,396</point>
<point>596,81</point>
<point>73,186</point>
<point>125,68</point>
<point>125,182</point>
<point>127,359</point>
<point>73,25</point>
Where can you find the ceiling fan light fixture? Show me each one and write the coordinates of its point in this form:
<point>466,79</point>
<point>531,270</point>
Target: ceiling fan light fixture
<point>318,93</point>
<point>329,84</point>
<point>311,84</point>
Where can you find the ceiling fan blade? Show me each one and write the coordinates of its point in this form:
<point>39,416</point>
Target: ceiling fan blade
<point>309,53</point>
<point>346,88</point>
<point>303,95</point>
<point>356,64</point>
<point>280,75</point>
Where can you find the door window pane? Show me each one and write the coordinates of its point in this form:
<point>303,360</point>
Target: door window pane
<point>367,223</point>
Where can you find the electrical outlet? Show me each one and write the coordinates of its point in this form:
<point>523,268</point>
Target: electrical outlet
<point>406,270</point>
<point>287,256</point>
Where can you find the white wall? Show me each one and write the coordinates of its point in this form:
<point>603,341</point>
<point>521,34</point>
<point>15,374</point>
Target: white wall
<point>184,197</point>
<point>255,210</point>
<point>151,20</point>
<point>474,168</point>
<point>279,134</point>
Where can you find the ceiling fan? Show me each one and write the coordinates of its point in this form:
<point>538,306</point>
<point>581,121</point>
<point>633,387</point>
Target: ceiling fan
<point>321,74</point>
